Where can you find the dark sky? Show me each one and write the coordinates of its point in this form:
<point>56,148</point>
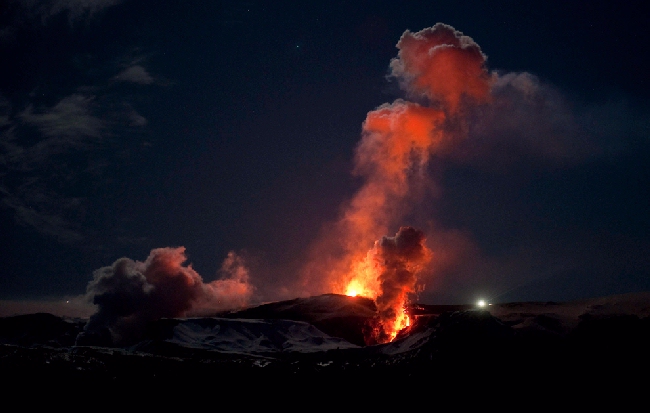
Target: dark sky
<point>232,126</point>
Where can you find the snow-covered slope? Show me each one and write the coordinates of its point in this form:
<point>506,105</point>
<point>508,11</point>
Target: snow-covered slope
<point>334,314</point>
<point>252,336</point>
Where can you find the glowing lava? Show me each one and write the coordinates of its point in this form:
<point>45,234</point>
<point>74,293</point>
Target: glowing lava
<point>388,275</point>
<point>364,278</point>
<point>365,282</point>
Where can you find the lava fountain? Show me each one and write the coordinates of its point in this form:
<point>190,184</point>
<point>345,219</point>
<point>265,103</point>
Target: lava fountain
<point>388,274</point>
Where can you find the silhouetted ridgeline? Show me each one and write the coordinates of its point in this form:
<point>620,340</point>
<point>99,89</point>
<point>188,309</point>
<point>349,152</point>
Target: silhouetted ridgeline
<point>594,341</point>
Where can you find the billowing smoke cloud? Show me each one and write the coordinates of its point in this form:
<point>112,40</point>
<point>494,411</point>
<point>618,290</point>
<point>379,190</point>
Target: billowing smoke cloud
<point>398,140</point>
<point>442,70</point>
<point>459,131</point>
<point>128,294</point>
<point>399,260</point>
<point>529,121</point>
<point>232,290</point>
<point>443,65</point>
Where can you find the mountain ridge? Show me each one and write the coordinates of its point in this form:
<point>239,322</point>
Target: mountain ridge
<point>579,340</point>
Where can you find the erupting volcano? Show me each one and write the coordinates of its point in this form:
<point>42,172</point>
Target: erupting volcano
<point>443,72</point>
<point>245,197</point>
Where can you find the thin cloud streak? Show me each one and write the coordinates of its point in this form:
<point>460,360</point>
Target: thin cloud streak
<point>135,74</point>
<point>77,10</point>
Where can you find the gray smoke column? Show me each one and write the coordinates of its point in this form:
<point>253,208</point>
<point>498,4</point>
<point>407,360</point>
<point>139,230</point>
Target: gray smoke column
<point>399,260</point>
<point>128,294</point>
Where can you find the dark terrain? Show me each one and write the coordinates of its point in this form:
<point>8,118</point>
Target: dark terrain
<point>603,343</point>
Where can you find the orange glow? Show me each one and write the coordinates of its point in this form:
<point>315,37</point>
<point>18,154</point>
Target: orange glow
<point>354,289</point>
<point>400,323</point>
<point>363,279</point>
<point>389,274</point>
<point>443,64</point>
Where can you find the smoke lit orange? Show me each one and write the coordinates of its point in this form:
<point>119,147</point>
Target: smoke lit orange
<point>444,70</point>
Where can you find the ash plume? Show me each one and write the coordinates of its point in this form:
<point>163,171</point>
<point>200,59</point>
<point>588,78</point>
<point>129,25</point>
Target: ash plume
<point>129,293</point>
<point>443,71</point>
<point>443,65</point>
<point>454,112</point>
<point>456,116</point>
<point>400,260</point>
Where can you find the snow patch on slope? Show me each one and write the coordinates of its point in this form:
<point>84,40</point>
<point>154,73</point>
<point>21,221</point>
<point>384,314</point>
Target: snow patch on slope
<point>253,336</point>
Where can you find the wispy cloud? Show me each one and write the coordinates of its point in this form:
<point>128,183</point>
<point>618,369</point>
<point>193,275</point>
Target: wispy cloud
<point>70,118</point>
<point>49,154</point>
<point>32,206</point>
<point>34,165</point>
<point>136,119</point>
<point>53,155</point>
<point>135,74</point>
<point>75,9</point>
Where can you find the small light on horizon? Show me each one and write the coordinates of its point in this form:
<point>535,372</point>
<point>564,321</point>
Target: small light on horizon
<point>481,303</point>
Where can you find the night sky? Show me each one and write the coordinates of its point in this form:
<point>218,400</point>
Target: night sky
<point>230,126</point>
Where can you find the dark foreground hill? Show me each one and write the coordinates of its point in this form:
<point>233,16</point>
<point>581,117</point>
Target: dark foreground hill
<point>600,342</point>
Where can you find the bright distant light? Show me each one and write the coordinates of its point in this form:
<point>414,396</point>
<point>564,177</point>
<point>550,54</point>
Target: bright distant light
<point>481,303</point>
